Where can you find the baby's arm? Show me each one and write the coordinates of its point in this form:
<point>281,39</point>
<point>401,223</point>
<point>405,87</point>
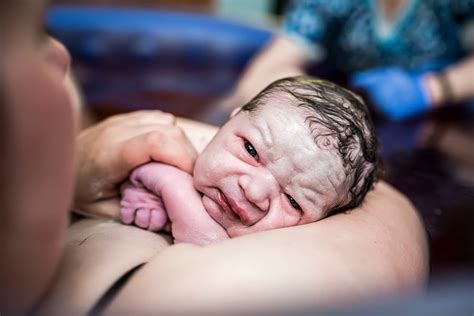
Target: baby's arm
<point>181,204</point>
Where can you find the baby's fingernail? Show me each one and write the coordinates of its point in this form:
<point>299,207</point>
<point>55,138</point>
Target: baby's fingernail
<point>126,215</point>
<point>142,218</point>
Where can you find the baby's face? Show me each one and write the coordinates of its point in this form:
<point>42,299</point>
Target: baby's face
<point>263,171</point>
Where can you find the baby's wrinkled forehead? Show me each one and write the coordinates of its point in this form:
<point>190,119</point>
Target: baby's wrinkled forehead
<point>293,111</point>
<point>290,130</point>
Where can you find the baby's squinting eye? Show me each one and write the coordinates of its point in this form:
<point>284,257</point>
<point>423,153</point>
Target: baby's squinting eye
<point>293,203</point>
<point>250,149</point>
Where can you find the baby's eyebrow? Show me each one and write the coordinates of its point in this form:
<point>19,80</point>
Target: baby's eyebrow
<point>310,192</point>
<point>265,133</point>
<point>309,199</point>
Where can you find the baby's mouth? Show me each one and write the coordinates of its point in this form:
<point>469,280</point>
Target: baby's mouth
<point>231,207</point>
<point>223,202</point>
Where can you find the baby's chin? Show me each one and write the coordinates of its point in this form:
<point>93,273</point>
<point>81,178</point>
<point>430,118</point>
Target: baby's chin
<point>242,230</point>
<point>237,231</point>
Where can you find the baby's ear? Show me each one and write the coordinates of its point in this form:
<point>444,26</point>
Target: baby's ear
<point>235,111</point>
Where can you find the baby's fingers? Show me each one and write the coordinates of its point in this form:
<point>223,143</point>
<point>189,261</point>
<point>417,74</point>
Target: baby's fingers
<point>158,220</point>
<point>142,218</point>
<point>127,215</point>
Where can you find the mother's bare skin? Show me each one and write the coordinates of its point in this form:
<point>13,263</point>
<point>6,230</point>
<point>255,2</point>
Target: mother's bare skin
<point>370,253</point>
<point>97,253</point>
<point>374,251</point>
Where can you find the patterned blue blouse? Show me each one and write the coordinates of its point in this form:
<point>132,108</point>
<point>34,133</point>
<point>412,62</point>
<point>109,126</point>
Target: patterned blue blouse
<point>426,35</point>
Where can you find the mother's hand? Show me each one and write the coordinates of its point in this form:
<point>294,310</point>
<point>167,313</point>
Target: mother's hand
<point>110,150</point>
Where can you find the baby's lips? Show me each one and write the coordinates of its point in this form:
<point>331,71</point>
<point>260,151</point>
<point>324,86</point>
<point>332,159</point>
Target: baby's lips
<point>239,211</point>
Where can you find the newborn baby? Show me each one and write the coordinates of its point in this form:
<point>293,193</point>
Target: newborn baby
<point>301,150</point>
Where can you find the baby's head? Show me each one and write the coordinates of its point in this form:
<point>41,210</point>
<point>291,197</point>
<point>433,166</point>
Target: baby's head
<point>301,150</point>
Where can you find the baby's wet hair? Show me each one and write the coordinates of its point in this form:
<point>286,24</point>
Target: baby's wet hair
<point>339,120</point>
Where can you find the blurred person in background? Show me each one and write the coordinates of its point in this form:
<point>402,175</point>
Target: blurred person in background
<point>408,56</point>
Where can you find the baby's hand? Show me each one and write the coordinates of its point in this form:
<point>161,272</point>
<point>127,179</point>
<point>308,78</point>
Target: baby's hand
<point>142,208</point>
<point>159,196</point>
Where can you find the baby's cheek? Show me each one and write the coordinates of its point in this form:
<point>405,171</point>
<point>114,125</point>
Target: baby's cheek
<point>292,218</point>
<point>207,173</point>
<point>197,181</point>
<point>280,218</point>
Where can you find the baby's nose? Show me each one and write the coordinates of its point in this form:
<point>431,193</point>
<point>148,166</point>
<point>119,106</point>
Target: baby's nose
<point>259,188</point>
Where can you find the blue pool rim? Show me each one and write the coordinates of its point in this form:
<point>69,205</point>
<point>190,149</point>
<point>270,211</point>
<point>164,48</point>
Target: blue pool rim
<point>203,33</point>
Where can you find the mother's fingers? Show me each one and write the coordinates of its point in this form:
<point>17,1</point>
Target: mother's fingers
<point>167,144</point>
<point>142,117</point>
<point>110,150</point>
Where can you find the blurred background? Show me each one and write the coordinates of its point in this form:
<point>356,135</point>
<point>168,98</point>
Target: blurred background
<point>182,56</point>
<point>179,56</point>
<point>258,12</point>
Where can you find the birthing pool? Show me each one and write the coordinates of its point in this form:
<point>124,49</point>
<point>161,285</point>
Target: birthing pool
<point>129,59</point>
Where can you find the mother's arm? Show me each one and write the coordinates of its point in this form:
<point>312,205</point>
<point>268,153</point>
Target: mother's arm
<point>377,250</point>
